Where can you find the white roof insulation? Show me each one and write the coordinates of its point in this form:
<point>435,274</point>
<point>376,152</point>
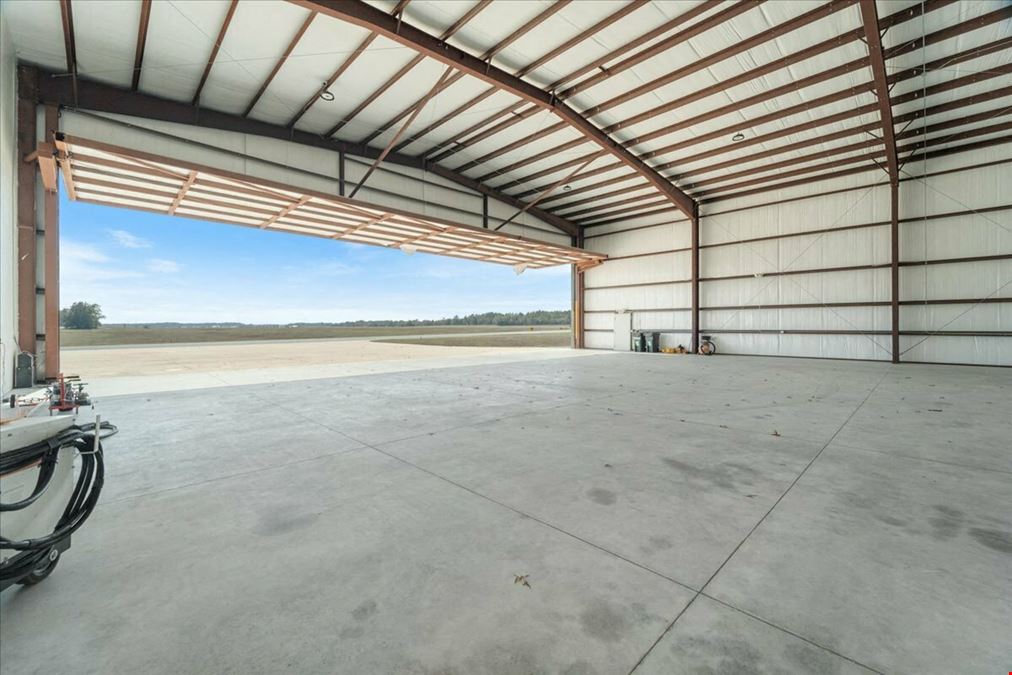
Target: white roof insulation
<point>716,97</point>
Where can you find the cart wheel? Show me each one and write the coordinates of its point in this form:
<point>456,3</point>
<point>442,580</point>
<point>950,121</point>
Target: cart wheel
<point>43,570</point>
<point>706,348</point>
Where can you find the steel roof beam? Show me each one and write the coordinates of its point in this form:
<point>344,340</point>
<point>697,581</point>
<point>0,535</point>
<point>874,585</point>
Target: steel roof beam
<point>857,64</point>
<point>561,49</point>
<point>69,46</point>
<point>815,140</point>
<point>873,38</point>
<point>486,56</point>
<point>142,39</point>
<point>414,113</point>
<point>882,151</point>
<point>595,207</point>
<point>100,97</point>
<point>597,66</point>
<point>405,69</point>
<point>367,16</point>
<point>675,74</point>
<point>281,61</point>
<point>345,65</point>
<point>817,49</point>
<point>214,50</point>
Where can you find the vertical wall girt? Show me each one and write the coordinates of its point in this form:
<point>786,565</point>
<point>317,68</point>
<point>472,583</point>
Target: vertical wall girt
<point>876,57</point>
<point>694,225</point>
<point>51,225</point>
<point>26,210</point>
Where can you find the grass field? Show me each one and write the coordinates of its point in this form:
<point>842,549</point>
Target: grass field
<point>145,336</point>
<point>558,338</point>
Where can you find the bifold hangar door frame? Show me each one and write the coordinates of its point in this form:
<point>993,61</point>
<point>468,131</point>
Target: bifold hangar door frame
<point>110,175</point>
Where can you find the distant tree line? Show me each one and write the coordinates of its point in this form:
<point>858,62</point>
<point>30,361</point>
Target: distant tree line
<point>540,317</point>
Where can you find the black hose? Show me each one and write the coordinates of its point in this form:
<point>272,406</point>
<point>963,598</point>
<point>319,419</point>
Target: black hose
<point>81,503</point>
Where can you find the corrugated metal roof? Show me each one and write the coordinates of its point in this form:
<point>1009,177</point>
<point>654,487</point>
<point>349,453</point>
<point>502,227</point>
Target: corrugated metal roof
<point>670,82</point>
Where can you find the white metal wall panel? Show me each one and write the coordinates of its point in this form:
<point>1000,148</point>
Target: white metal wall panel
<point>984,351</point>
<point>8,209</point>
<point>799,319</point>
<point>665,267</point>
<point>598,339</point>
<point>808,346</point>
<point>972,234</point>
<point>968,316</point>
<point>646,240</point>
<point>638,297</point>
<point>855,207</point>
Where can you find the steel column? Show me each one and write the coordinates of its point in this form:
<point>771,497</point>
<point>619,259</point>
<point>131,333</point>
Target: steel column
<point>27,244</point>
<point>869,15</point>
<point>51,224</point>
<point>694,224</point>
<point>579,286</point>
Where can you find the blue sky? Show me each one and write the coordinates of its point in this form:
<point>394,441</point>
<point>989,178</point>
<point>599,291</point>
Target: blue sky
<point>145,267</point>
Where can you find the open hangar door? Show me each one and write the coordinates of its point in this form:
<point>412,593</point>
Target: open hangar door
<point>830,185</point>
<point>270,184</point>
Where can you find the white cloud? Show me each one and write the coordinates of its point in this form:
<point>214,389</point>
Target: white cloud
<point>128,240</point>
<point>84,263</point>
<point>74,253</point>
<point>163,266</point>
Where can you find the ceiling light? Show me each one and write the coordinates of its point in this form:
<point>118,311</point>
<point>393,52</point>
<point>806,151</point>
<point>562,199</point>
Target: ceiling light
<point>519,268</point>
<point>325,93</point>
<point>567,188</point>
<point>408,248</point>
<point>738,137</point>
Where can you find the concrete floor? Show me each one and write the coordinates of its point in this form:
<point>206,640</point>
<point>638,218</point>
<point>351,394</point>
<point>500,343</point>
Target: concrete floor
<point>673,514</point>
<point>141,369</point>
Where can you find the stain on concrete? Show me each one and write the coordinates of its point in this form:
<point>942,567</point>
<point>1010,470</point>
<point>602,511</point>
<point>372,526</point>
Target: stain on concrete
<point>994,539</point>
<point>603,621</point>
<point>728,475</point>
<point>282,521</point>
<point>601,496</point>
<point>891,520</point>
<point>660,543</point>
<point>947,522</point>
<point>719,656</point>
<point>508,659</point>
<point>579,668</point>
<point>352,633</point>
<point>809,659</point>
<point>364,611</point>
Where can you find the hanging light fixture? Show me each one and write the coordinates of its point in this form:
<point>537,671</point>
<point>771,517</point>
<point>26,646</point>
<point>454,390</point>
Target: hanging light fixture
<point>408,248</point>
<point>325,93</point>
<point>519,268</point>
<point>738,137</point>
